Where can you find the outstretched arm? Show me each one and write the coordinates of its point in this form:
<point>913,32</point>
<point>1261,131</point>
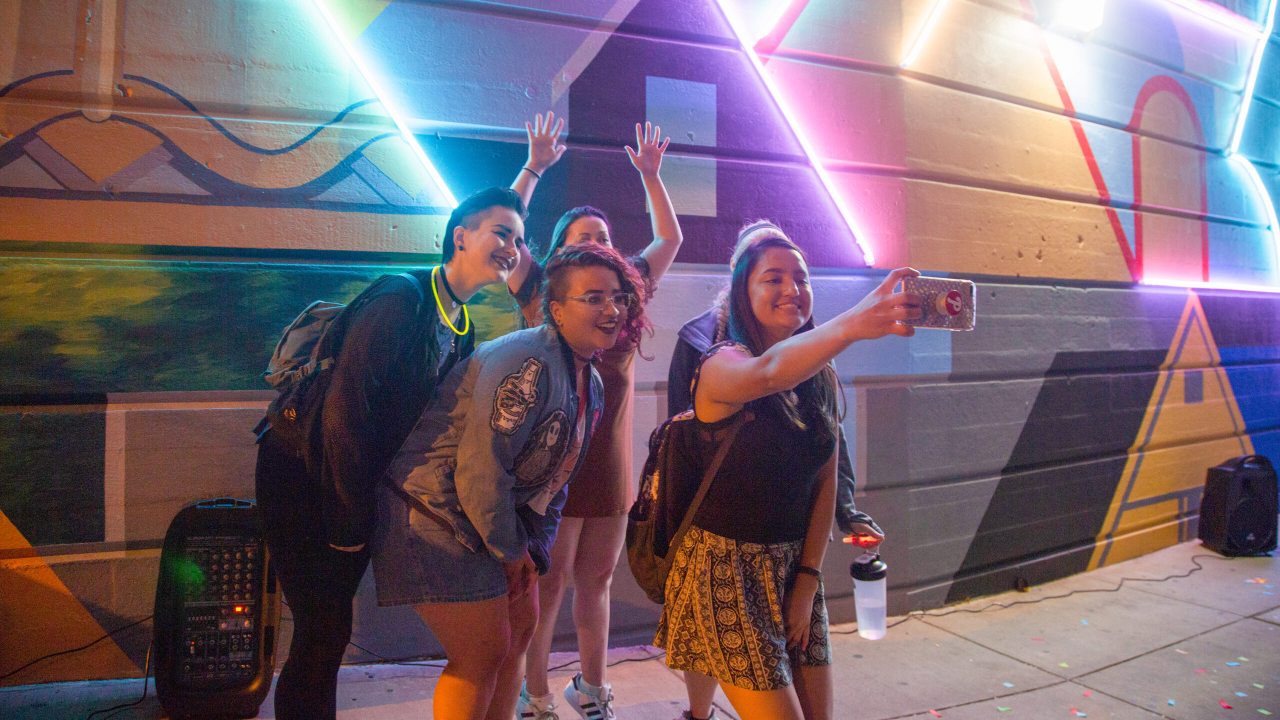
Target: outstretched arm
<point>647,159</point>
<point>733,377</point>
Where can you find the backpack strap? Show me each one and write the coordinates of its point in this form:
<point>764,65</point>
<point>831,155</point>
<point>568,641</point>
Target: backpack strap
<point>743,417</point>
<point>697,370</point>
<point>726,441</point>
<point>417,285</point>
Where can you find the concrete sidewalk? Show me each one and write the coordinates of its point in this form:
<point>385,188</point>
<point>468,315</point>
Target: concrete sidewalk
<point>1182,633</point>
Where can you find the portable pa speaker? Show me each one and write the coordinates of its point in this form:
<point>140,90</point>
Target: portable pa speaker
<point>217,610</point>
<point>1238,513</point>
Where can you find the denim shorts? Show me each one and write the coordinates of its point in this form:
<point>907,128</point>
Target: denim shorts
<point>418,560</point>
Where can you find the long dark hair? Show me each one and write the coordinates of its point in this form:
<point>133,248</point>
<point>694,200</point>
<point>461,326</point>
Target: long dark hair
<point>561,231</point>
<point>815,398</point>
<point>594,255</point>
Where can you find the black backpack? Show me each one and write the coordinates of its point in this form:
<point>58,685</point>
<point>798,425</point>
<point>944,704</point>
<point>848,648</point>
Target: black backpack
<point>301,368</point>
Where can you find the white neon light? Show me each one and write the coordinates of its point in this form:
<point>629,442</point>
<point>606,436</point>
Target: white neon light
<point>922,36</point>
<point>1251,81</point>
<point>823,176</point>
<point>775,17</point>
<point>1176,283</point>
<point>396,116</point>
<point>1260,190</point>
<point>1082,16</point>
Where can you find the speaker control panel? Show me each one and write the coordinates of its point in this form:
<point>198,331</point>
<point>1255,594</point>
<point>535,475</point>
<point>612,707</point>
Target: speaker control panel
<point>220,610</point>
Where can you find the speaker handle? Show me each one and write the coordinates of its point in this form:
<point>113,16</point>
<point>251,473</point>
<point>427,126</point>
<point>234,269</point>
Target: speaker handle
<point>1260,460</point>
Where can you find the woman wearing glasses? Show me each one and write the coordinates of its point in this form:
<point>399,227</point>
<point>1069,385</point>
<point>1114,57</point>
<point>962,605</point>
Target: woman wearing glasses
<point>595,516</point>
<point>471,504</point>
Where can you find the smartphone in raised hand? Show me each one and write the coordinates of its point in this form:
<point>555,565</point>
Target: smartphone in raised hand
<point>946,304</point>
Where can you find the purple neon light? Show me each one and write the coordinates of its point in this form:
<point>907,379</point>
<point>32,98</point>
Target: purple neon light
<point>747,43</point>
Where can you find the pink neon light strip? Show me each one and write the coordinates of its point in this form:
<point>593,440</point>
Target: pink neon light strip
<point>747,44</point>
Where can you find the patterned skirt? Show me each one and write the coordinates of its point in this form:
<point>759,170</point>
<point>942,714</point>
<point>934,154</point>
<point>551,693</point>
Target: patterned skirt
<point>723,612</point>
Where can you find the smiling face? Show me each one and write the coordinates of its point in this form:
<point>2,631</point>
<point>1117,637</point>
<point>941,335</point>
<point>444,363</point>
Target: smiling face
<point>587,229</point>
<point>779,291</point>
<point>585,326</point>
<point>485,247</point>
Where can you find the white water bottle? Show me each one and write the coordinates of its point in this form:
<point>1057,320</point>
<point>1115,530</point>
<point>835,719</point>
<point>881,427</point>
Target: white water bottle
<point>869,594</point>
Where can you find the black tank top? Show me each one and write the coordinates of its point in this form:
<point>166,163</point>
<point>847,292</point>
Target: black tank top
<point>764,489</point>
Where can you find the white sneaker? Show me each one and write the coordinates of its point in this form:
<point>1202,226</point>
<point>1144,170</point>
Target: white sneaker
<point>596,705</point>
<point>529,707</point>
<point>686,715</point>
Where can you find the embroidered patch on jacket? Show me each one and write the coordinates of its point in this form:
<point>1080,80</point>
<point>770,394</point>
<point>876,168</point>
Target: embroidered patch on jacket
<point>543,453</point>
<point>515,395</point>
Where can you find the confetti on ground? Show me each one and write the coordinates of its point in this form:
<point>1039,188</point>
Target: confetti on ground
<point>1225,705</point>
<point>1088,693</point>
<point>1201,671</point>
<point>1081,713</point>
<point>1257,581</point>
<point>1007,684</point>
<point>935,713</point>
<point>1233,663</point>
<point>1263,711</point>
<point>1172,702</point>
<point>1241,694</point>
<point>1260,686</point>
<point>1180,651</point>
<point>1063,665</point>
<point>1084,622</point>
<point>1243,659</point>
<point>1002,708</point>
<point>1037,639</point>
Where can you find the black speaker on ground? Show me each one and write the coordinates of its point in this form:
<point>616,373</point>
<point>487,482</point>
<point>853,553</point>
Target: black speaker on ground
<point>217,610</point>
<point>1238,513</point>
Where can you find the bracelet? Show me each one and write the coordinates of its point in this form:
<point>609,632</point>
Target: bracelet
<point>526,169</point>
<point>806,570</point>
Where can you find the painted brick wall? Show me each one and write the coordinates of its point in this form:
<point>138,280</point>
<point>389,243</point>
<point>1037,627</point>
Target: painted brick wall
<point>178,179</point>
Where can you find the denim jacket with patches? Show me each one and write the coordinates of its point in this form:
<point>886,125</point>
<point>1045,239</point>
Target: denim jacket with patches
<point>484,457</point>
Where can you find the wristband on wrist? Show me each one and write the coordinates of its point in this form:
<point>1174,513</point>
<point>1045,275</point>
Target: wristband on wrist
<point>526,169</point>
<point>806,570</point>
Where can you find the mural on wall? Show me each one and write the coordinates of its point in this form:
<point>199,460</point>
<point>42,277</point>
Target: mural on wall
<point>177,181</point>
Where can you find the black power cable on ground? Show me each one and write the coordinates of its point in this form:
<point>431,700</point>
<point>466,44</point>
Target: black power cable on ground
<point>429,662</point>
<point>917,614</point>
<point>86,646</point>
<point>146,673</point>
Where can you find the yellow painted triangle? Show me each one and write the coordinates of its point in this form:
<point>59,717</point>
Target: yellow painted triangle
<point>1192,423</point>
<point>355,15</point>
<point>40,616</point>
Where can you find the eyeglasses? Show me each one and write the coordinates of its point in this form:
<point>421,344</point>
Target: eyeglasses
<point>596,300</point>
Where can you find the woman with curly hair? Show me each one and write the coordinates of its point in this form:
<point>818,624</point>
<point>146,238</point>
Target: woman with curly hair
<point>591,537</point>
<point>472,501</point>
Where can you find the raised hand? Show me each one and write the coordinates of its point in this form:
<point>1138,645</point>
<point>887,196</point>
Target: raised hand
<point>545,148</point>
<point>650,145</point>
